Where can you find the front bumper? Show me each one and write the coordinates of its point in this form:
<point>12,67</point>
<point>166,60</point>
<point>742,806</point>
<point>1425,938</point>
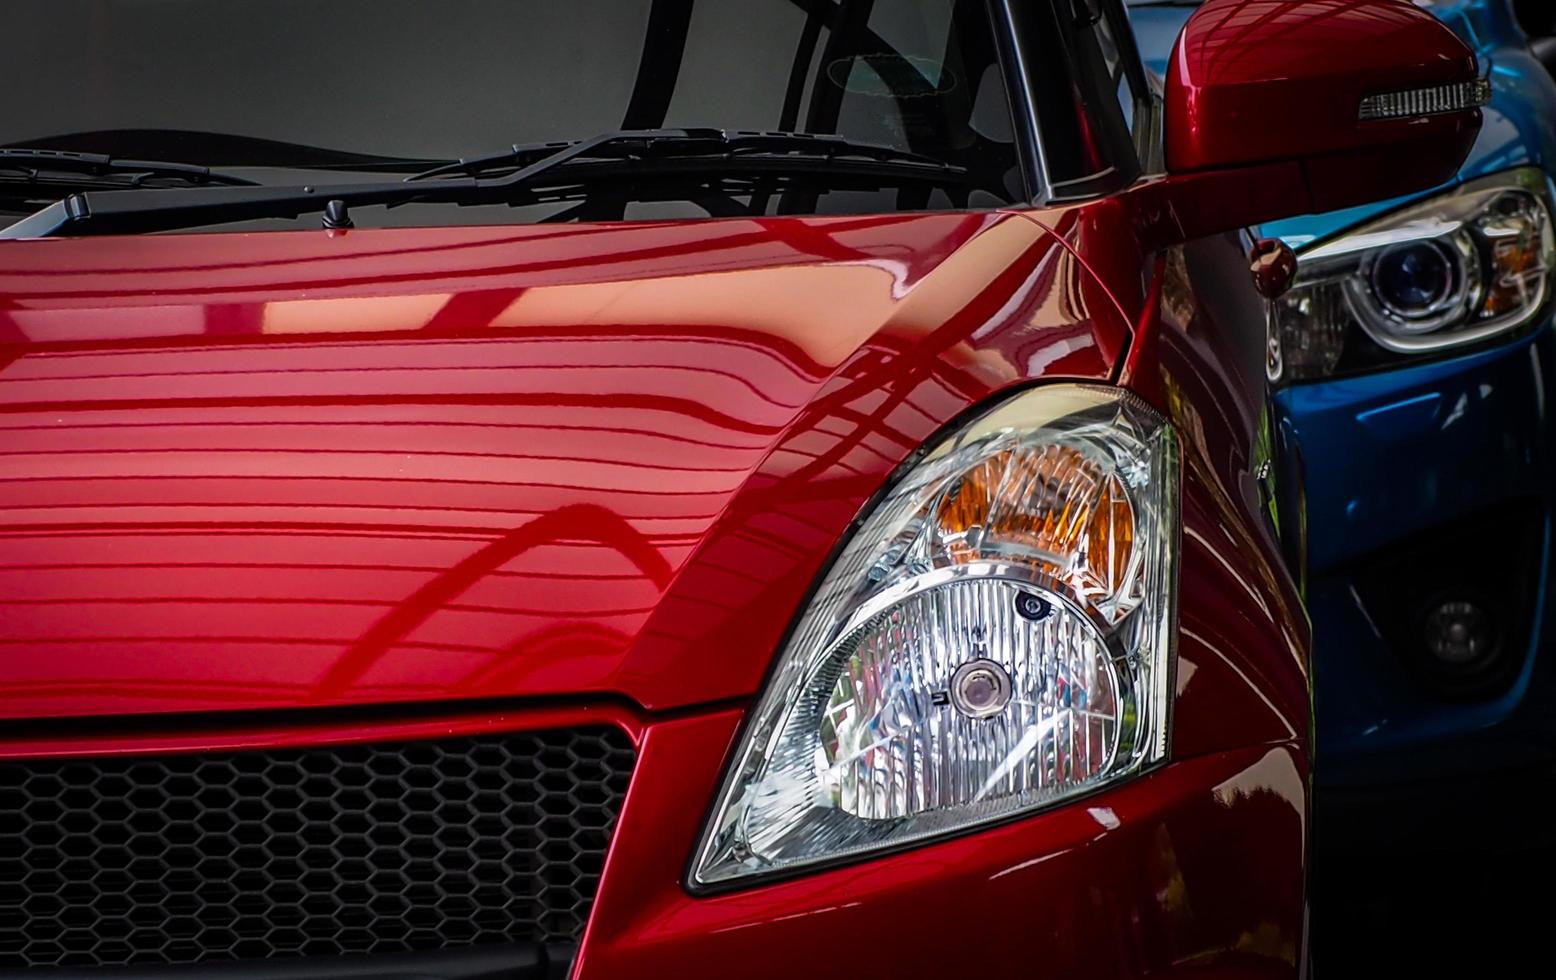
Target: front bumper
<point>1403,464</point>
<point>1197,867</point>
<point>1199,864</point>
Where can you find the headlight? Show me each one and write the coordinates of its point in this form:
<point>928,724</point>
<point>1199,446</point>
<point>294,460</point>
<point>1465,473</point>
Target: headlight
<point>1453,271</point>
<point>996,638</point>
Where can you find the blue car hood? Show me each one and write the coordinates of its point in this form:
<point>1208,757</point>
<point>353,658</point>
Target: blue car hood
<point>1513,134</point>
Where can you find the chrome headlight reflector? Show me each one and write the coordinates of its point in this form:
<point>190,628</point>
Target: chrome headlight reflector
<point>1450,272</point>
<point>994,639</point>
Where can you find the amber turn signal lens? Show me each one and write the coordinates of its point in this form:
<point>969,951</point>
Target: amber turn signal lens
<point>1053,508</point>
<point>1516,268</point>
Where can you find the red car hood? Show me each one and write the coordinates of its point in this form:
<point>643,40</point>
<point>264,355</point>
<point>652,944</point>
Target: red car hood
<point>299,469</point>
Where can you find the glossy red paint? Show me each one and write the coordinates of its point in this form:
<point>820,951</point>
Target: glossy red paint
<point>86,738</point>
<point>1194,869</point>
<point>303,488</point>
<point>382,469</point>
<point>1243,639</point>
<point>1270,81</point>
<point>296,470</point>
<point>606,463</point>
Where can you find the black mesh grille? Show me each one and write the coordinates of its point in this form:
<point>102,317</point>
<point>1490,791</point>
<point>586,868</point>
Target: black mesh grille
<point>319,851</point>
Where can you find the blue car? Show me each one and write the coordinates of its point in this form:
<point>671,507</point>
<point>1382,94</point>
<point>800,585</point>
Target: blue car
<point>1414,366</point>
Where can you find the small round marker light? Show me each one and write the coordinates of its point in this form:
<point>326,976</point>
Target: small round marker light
<point>980,689</point>
<point>1033,607</point>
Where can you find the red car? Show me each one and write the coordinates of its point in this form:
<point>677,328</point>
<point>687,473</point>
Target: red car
<point>825,524</point>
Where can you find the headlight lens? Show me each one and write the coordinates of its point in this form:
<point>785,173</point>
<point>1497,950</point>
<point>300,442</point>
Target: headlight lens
<point>1453,271</point>
<point>1415,280</point>
<point>994,639</point>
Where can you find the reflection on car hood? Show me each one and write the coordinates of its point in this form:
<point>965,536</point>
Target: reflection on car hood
<point>300,469</point>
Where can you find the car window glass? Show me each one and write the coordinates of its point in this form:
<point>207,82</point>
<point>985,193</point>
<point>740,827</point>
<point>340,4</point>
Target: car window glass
<point>438,80</point>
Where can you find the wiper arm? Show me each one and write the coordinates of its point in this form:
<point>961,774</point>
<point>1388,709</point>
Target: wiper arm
<point>33,162</point>
<point>609,156</point>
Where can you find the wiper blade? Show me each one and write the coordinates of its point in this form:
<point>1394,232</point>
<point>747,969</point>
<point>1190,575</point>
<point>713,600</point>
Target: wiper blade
<point>229,149</point>
<point>588,161</point>
<point>32,162</point>
<point>660,144</point>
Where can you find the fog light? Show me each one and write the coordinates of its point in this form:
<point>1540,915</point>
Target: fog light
<point>1459,634</point>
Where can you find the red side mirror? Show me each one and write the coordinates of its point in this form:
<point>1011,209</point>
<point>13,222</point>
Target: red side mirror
<point>1371,98</point>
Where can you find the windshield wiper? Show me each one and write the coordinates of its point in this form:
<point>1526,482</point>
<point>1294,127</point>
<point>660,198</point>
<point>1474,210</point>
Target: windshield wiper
<point>628,154</point>
<point>226,149</point>
<point>814,148</point>
<point>33,163</point>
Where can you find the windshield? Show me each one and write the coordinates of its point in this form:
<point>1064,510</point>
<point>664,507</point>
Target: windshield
<point>395,84</point>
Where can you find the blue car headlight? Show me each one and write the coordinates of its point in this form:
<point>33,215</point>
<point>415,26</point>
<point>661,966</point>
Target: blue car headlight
<point>1451,272</point>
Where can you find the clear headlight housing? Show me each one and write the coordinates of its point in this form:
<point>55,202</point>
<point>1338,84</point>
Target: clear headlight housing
<point>994,639</point>
<point>1453,271</point>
